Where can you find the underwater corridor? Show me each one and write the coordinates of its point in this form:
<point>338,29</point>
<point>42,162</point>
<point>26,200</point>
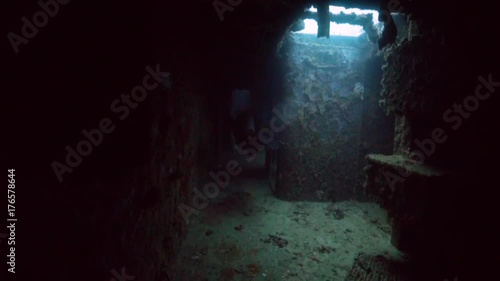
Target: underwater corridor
<point>297,209</point>
<point>231,140</point>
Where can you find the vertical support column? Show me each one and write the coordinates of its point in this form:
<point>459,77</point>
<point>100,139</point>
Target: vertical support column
<point>323,20</point>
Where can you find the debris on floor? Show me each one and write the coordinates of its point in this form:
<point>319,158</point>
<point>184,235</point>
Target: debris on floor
<point>325,249</point>
<point>334,211</point>
<point>276,240</point>
<point>252,268</point>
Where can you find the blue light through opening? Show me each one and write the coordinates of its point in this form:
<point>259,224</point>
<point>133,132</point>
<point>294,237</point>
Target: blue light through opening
<point>344,29</point>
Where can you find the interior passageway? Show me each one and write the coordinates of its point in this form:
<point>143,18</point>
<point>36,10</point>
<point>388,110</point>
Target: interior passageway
<point>339,140</point>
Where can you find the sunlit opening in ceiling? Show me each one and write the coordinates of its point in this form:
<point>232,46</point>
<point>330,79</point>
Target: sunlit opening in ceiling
<point>344,29</point>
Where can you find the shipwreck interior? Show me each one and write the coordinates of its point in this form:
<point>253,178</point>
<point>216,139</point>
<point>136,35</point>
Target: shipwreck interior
<point>253,140</point>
